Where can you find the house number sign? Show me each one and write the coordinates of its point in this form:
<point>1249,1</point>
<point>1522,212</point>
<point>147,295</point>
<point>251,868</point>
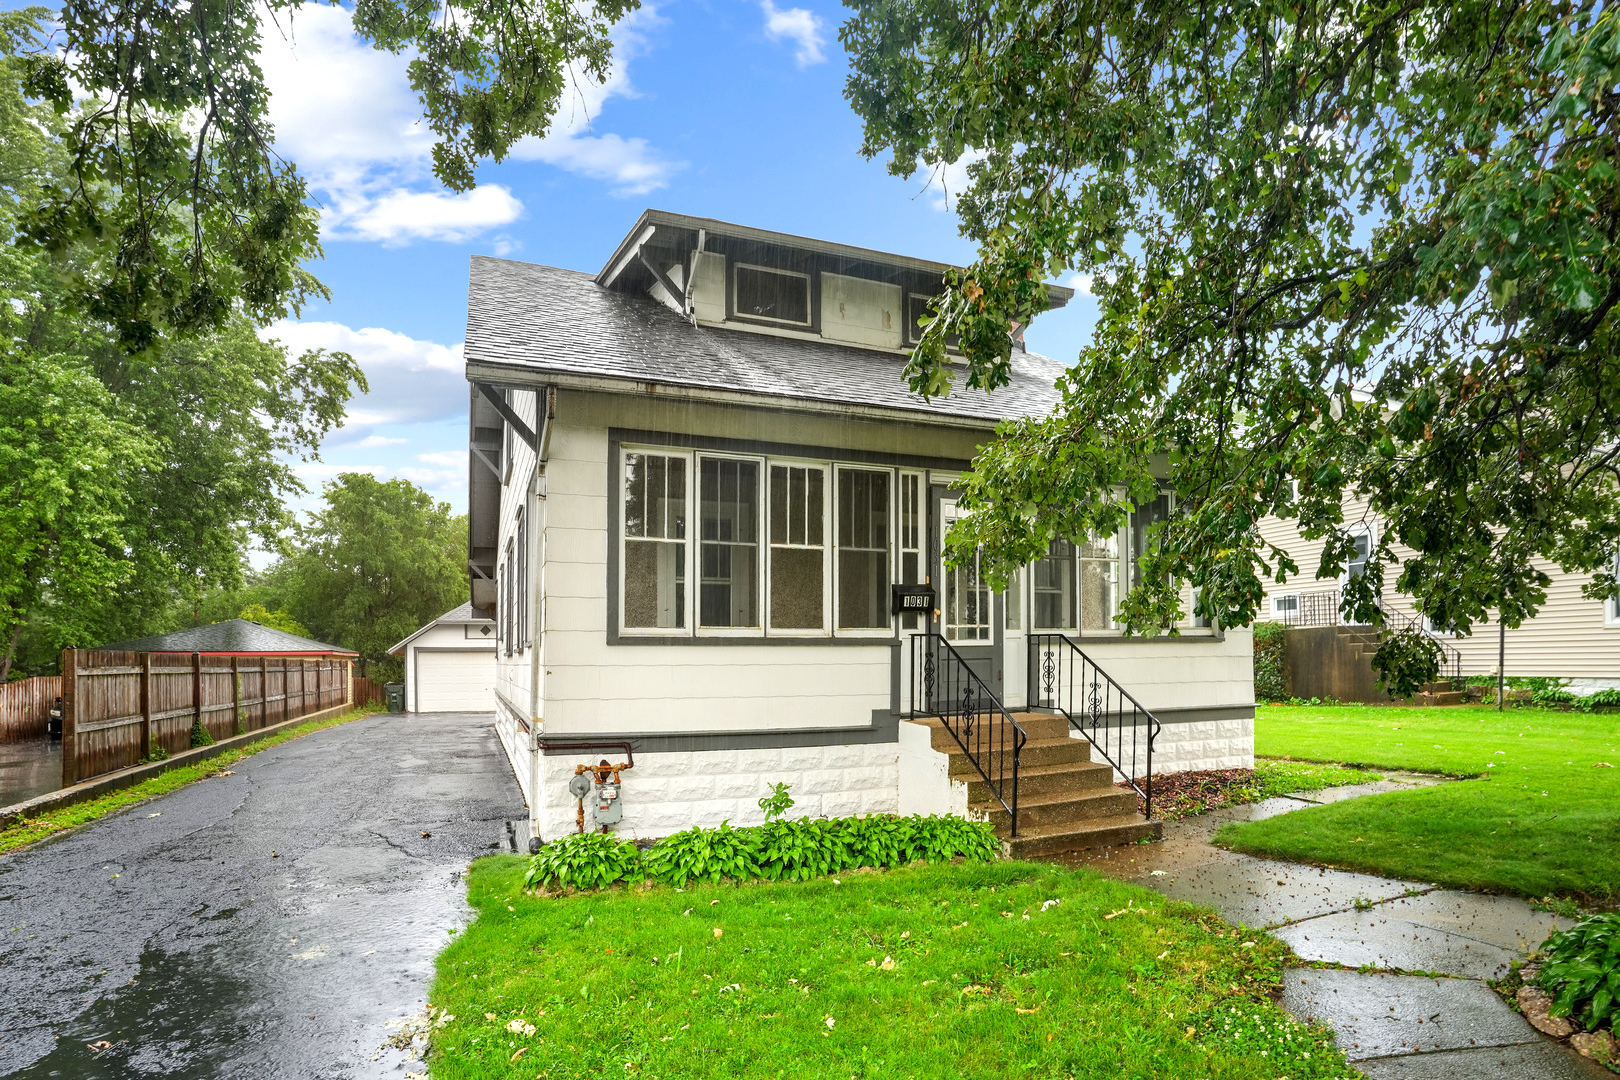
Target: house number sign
<point>911,598</point>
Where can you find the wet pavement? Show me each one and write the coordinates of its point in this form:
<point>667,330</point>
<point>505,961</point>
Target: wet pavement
<point>276,922</point>
<point>1397,1023</point>
<point>29,767</point>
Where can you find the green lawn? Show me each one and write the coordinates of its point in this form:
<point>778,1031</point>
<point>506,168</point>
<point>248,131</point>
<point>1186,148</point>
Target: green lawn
<point>1538,816</point>
<point>981,970</point>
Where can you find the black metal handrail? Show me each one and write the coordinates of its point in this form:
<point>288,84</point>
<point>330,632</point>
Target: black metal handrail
<point>1450,656</point>
<point>1120,727</point>
<point>946,688</point>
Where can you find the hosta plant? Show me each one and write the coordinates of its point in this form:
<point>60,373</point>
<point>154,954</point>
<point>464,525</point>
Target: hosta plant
<point>590,860</point>
<point>700,854</point>
<point>942,836</point>
<point>803,848</point>
<point>1582,972</point>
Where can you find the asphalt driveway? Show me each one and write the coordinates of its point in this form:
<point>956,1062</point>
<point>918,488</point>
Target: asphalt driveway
<point>277,922</point>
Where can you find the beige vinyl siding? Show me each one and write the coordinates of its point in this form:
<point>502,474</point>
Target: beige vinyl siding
<point>1566,639</point>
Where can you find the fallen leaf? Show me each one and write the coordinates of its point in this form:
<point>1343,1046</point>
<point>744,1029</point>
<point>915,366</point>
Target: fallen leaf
<point>829,1021</point>
<point>426,835</point>
<point>718,931</point>
<point>888,964</point>
<point>520,1052</point>
<point>1603,765</point>
<point>1027,1012</point>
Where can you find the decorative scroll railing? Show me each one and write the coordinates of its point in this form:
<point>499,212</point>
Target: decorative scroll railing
<point>1064,679</point>
<point>946,688</point>
<point>1321,608</point>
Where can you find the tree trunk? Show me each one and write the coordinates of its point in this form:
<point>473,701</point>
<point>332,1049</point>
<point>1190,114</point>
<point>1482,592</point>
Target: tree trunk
<point>11,652</point>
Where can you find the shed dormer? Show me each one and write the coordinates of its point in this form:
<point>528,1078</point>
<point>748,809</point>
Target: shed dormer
<point>719,274</point>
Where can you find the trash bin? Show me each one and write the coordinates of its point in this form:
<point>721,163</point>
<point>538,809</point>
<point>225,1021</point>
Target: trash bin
<point>395,692</point>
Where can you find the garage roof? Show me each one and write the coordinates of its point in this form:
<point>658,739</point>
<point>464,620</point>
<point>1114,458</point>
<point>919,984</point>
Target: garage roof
<point>460,615</point>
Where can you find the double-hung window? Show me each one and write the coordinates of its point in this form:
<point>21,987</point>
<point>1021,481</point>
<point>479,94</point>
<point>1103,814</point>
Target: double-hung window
<point>798,555</point>
<point>862,552</point>
<point>654,557</point>
<point>728,517</point>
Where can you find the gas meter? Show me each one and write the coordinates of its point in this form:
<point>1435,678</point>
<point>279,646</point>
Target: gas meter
<point>600,785</point>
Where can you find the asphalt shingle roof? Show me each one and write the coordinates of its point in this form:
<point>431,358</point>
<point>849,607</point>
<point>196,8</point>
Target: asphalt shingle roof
<point>231,636</point>
<point>547,320</point>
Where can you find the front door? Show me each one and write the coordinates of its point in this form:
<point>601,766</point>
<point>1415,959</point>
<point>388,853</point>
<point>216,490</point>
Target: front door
<point>969,614</point>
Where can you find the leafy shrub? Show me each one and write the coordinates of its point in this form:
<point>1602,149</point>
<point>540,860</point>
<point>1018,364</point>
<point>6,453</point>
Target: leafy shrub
<point>940,837</point>
<point>590,860</point>
<point>877,840</point>
<point>705,855</point>
<point>777,803</point>
<point>1270,644</point>
<point>199,735</point>
<point>1605,698</point>
<point>1582,972</point>
<point>803,848</point>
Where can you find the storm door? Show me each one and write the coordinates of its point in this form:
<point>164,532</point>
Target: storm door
<point>969,613</point>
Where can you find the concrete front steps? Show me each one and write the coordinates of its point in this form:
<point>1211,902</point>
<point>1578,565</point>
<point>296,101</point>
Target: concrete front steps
<point>1434,693</point>
<point>1066,801</point>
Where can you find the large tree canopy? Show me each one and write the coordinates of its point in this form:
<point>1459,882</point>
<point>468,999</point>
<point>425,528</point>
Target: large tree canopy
<point>378,560</point>
<point>1338,246</point>
<point>168,128</point>
<point>127,479</point>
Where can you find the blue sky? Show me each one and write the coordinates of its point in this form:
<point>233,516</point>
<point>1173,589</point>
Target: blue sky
<point>726,108</point>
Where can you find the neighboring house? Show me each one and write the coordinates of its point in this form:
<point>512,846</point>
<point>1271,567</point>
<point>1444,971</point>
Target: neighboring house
<point>1571,637</point>
<point>699,490</point>
<point>450,663</point>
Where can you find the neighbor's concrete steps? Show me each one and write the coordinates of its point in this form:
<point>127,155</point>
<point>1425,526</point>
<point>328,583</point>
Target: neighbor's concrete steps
<point>1435,693</point>
<point>1066,801</point>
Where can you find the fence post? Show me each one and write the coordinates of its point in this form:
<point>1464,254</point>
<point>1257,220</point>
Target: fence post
<point>70,687</point>
<point>238,724</point>
<point>196,692</point>
<point>146,705</point>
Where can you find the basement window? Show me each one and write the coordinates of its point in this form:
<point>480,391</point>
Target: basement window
<point>779,296</point>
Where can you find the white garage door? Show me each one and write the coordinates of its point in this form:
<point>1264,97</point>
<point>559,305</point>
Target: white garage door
<point>460,681</point>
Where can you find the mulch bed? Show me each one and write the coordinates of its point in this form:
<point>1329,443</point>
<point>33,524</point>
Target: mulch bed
<point>1183,794</point>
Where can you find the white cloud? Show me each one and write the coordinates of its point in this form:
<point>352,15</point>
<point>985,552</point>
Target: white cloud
<point>372,442</point>
<point>400,216</point>
<point>799,25</point>
<point>411,381</point>
<point>445,458</point>
<point>631,165</point>
<point>316,473</point>
<point>345,113</point>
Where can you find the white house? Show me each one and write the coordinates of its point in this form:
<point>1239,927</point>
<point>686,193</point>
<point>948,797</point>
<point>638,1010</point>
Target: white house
<point>700,491</point>
<point>450,663</point>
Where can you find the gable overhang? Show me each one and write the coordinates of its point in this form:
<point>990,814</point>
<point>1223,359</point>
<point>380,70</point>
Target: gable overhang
<point>660,237</point>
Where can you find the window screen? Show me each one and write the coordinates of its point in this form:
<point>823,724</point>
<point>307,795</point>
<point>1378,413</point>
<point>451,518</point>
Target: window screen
<point>773,294</point>
<point>1054,587</point>
<point>654,541</point>
<point>798,547</point>
<point>863,549</point>
<point>728,497</point>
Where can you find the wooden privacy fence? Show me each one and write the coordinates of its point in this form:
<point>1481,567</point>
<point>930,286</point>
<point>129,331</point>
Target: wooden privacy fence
<point>367,691</point>
<point>121,706</point>
<point>25,707</point>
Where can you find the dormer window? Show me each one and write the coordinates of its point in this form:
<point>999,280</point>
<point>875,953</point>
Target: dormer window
<point>778,296</point>
<point>916,312</point>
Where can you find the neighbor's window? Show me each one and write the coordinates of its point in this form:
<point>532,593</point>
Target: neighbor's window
<point>1054,579</point>
<point>728,507</point>
<point>863,549</point>
<point>1611,607</point>
<point>1285,604</point>
<point>798,498</point>
<point>654,541</point>
<point>777,295</point>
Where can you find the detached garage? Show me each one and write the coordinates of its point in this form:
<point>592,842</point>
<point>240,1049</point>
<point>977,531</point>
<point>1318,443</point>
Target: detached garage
<point>450,664</point>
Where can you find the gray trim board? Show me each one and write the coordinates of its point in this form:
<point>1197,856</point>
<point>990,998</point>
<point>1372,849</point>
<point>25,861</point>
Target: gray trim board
<point>885,728</point>
<point>1200,713</point>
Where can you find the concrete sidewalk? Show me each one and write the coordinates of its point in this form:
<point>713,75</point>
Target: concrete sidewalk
<point>1392,1026</point>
